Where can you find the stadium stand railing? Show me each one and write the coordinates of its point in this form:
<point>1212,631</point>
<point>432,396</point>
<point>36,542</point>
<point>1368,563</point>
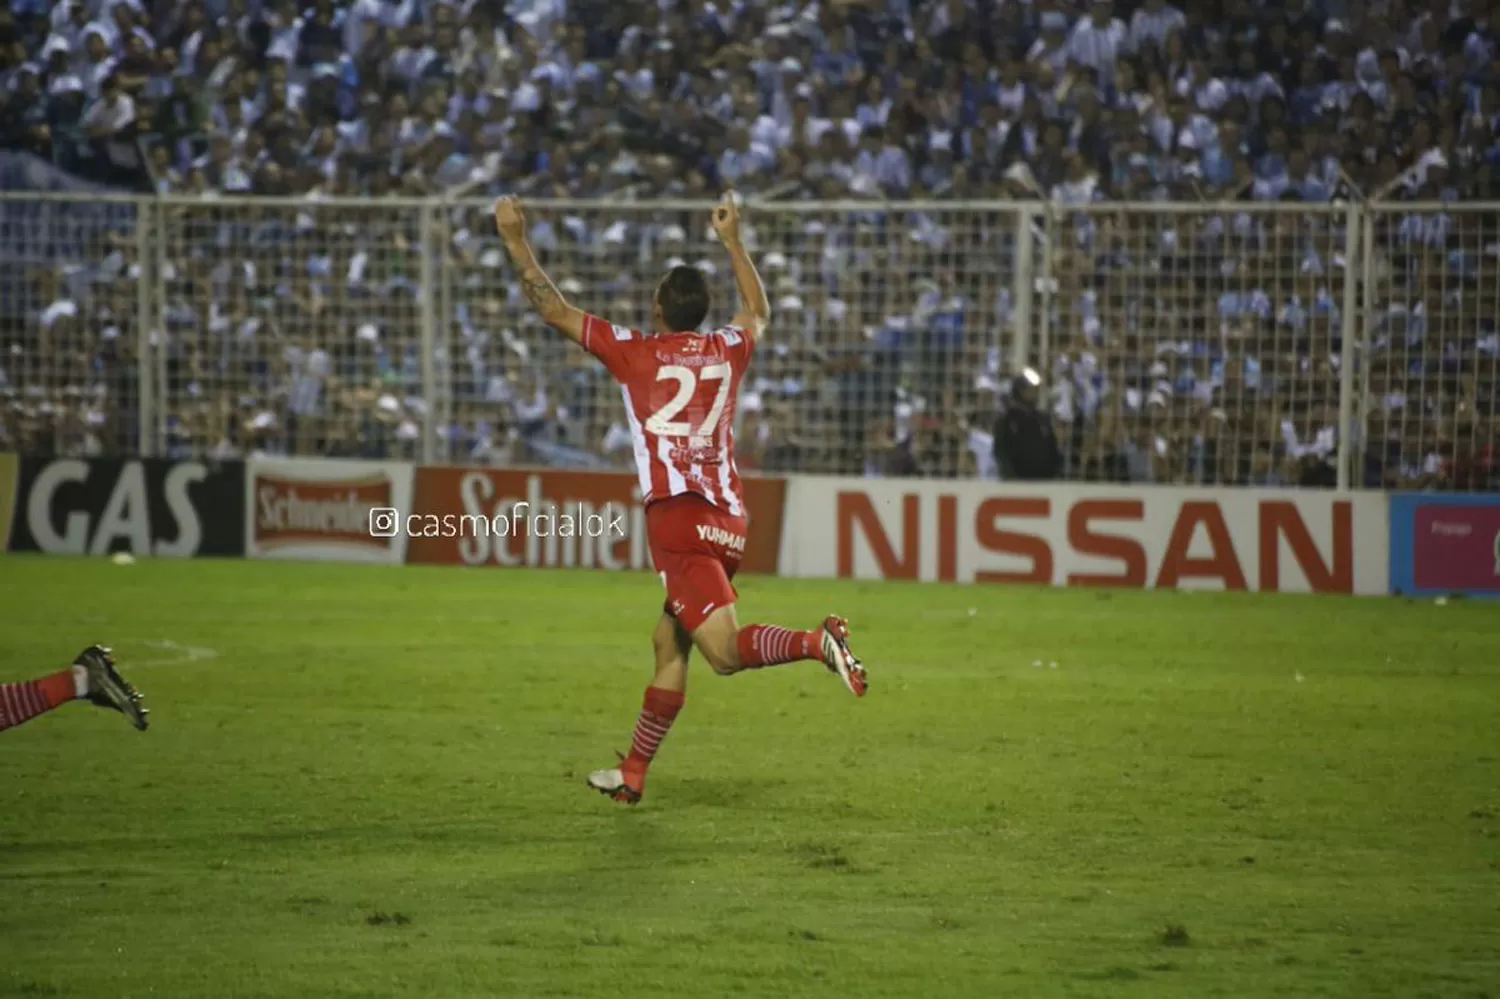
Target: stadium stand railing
<point>1348,345</point>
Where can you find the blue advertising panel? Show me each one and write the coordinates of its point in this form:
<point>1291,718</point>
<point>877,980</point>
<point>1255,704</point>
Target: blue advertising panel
<point>1445,544</point>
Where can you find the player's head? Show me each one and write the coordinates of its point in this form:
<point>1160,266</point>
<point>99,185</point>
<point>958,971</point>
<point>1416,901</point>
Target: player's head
<point>681,301</point>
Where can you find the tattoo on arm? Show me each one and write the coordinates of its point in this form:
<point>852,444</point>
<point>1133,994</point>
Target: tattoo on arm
<point>540,291</point>
<point>542,294</point>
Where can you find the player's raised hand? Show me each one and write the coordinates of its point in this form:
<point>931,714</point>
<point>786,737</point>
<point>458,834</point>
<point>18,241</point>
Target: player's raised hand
<point>727,219</point>
<point>509,218</point>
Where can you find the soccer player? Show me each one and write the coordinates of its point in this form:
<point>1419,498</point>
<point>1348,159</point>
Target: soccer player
<point>92,678</point>
<point>680,388</point>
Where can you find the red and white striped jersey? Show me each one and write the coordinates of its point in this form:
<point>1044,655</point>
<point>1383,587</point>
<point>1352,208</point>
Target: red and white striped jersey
<point>681,391</point>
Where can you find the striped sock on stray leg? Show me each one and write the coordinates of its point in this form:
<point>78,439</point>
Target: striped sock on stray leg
<point>21,702</point>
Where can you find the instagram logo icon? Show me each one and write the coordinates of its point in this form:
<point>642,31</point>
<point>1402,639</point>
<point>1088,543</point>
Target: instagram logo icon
<point>385,522</point>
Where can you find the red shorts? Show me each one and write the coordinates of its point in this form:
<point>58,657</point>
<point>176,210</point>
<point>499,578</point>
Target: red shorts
<point>697,548</point>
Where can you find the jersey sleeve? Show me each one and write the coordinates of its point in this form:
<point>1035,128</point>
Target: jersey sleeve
<point>611,344</point>
<point>738,346</point>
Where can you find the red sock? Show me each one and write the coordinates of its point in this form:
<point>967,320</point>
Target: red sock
<point>768,645</point>
<point>20,702</point>
<point>657,714</point>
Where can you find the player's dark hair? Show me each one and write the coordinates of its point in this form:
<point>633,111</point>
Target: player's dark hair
<point>684,299</point>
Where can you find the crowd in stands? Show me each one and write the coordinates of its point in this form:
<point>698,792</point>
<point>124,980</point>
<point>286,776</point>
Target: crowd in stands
<point>1200,346</point>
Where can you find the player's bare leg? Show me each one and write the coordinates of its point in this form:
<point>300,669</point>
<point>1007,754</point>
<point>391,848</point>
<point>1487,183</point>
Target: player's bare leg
<point>730,648</point>
<point>92,677</point>
<point>663,701</point>
<point>672,645</point>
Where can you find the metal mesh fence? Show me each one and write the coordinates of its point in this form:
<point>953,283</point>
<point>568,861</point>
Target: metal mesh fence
<point>71,288</point>
<point>1214,344</point>
<point>294,328</point>
<point>1428,397</point>
<point>1195,344</point>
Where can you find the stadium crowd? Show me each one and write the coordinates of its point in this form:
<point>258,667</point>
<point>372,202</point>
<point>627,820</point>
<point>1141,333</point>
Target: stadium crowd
<point>1197,346</point>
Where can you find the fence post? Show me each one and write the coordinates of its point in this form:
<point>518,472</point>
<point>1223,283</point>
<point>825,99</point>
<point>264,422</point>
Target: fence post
<point>428,276</point>
<point>1022,290</point>
<point>1366,313</point>
<point>158,333</point>
<point>442,403</point>
<point>1347,355</point>
<point>146,390</point>
<point>1048,290</point>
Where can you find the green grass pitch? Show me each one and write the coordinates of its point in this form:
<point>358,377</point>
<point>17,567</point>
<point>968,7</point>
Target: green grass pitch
<point>369,782</point>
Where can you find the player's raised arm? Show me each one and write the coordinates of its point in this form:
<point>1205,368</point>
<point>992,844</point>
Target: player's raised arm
<point>535,284</point>
<point>755,308</point>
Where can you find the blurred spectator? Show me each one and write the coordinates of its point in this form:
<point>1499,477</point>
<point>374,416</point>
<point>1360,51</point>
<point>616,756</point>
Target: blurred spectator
<point>1025,444</point>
